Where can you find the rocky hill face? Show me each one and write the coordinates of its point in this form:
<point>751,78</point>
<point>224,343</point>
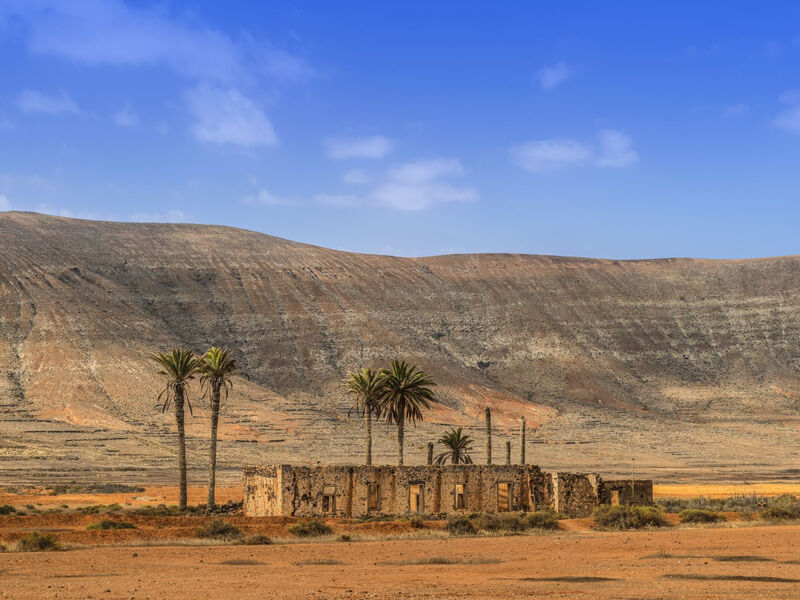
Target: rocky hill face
<point>688,366</point>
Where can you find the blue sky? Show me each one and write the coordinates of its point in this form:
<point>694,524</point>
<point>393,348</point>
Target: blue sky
<point>614,129</point>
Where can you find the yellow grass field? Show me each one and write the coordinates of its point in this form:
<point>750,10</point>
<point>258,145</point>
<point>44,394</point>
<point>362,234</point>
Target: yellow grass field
<point>723,490</point>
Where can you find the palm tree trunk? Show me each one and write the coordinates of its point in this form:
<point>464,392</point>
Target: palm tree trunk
<point>401,429</point>
<point>212,458</point>
<point>179,416</point>
<point>368,417</point>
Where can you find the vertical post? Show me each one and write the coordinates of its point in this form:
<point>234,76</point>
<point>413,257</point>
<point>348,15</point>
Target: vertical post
<point>488,436</point>
<point>522,442</point>
<point>633,488</point>
<point>508,452</point>
<point>430,453</point>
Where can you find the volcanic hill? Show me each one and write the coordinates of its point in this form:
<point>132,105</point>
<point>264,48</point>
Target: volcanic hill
<point>688,366</point>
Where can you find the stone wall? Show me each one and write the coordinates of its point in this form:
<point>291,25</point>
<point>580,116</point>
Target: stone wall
<point>344,491</point>
<point>636,491</point>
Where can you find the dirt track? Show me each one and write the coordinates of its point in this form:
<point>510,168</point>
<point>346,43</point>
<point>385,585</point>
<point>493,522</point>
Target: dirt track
<point>633,563</point>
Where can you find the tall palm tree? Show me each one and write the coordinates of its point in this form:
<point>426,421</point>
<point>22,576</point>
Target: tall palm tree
<point>458,446</point>
<point>366,387</point>
<point>216,369</point>
<point>179,367</point>
<point>406,391</point>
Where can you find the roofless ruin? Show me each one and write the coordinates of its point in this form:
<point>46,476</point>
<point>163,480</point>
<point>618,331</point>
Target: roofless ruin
<point>364,490</point>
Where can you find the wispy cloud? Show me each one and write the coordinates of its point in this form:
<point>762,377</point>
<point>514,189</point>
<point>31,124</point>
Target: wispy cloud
<point>356,176</point>
<point>267,198</point>
<point>59,103</point>
<point>616,150</point>
<point>226,116</point>
<point>613,149</point>
<point>734,110</point>
<point>5,203</point>
<point>376,146</point>
<point>551,77</point>
<point>410,186</point>
<point>126,117</point>
<point>789,118</point>
<point>420,184</point>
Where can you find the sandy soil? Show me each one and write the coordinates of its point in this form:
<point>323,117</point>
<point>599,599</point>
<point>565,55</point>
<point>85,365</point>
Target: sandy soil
<point>151,496</point>
<point>638,565</point>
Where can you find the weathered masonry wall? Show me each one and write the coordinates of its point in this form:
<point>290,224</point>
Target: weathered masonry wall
<point>355,491</point>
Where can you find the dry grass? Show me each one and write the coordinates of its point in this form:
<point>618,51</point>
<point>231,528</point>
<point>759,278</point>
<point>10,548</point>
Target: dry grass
<point>720,490</point>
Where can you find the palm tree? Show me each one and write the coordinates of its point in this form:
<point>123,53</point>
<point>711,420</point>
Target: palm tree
<point>458,448</point>
<point>215,380</point>
<point>406,391</point>
<point>366,388</point>
<point>179,367</point>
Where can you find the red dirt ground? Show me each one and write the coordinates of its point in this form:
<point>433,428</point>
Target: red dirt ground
<point>636,565</point>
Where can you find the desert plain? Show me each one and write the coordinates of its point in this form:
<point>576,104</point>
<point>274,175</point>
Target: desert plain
<point>161,558</point>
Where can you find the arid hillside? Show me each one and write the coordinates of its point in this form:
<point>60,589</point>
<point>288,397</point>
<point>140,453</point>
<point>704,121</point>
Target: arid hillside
<point>688,366</point>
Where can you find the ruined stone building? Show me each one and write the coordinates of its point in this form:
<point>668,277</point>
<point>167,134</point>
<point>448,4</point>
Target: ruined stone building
<point>359,491</point>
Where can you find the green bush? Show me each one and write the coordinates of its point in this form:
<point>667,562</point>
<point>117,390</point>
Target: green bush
<point>107,524</point>
<point>459,525</point>
<point>542,519</point>
<point>697,515</point>
<point>628,517</point>
<point>7,509</point>
<point>310,529</point>
<point>258,539</point>
<point>218,529</point>
<point>38,542</point>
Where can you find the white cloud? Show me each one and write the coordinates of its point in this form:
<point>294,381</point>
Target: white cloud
<point>734,110</point>
<point>34,101</point>
<point>126,117</point>
<point>116,33</point>
<point>553,76</point>
<point>226,116</point>
<point>375,146</point>
<point>789,118</point>
<point>550,155</point>
<point>614,149</point>
<point>5,203</point>
<point>337,199</point>
<point>285,67</point>
<point>420,184</point>
<point>172,216</point>
<point>357,176</point>
<point>267,198</point>
<point>426,170</point>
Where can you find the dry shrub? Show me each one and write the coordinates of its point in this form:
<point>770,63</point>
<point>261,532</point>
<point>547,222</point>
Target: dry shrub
<point>459,525</point>
<point>782,508</point>
<point>697,515</point>
<point>38,542</point>
<point>312,528</point>
<point>258,539</point>
<point>108,524</point>
<point>628,517</point>
<point>217,529</point>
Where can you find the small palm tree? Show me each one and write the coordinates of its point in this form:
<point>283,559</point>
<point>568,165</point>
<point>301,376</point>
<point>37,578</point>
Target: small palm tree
<point>179,367</point>
<point>458,446</point>
<point>366,387</point>
<point>406,391</point>
<point>215,380</point>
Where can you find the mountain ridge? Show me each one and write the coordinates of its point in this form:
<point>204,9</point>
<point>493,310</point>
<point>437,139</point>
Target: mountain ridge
<point>664,360</point>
